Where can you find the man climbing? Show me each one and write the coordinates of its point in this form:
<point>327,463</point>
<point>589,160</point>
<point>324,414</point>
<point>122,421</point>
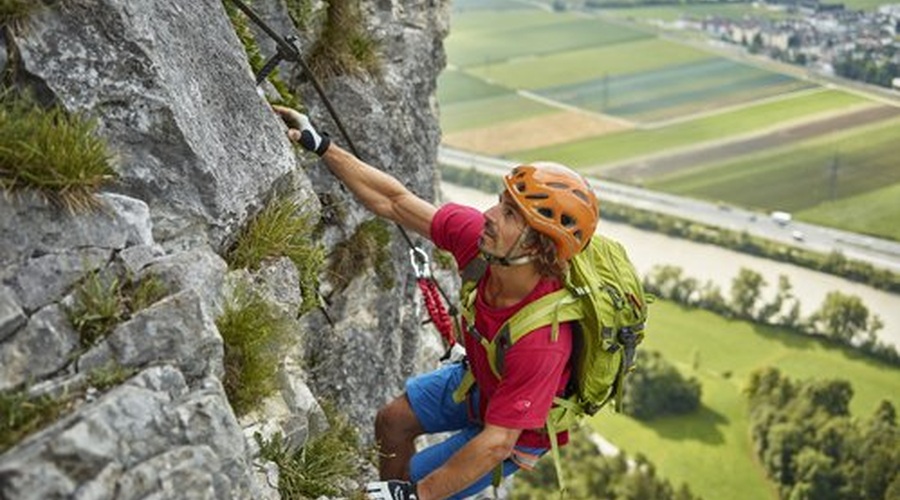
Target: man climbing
<point>545,216</point>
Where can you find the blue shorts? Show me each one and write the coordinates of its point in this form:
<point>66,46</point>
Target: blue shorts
<point>431,397</point>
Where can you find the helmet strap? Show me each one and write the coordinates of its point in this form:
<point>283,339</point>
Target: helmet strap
<point>508,260</point>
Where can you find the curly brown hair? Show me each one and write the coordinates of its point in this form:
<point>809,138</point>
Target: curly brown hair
<point>548,262</point>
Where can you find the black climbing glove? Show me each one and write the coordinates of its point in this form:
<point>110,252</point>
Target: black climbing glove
<point>304,132</point>
<point>391,490</point>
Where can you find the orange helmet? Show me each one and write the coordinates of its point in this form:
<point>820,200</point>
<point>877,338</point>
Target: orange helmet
<point>555,201</point>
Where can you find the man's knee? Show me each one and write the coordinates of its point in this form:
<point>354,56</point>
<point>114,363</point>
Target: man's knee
<point>397,418</point>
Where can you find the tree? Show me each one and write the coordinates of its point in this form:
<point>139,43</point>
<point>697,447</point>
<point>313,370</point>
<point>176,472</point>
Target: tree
<point>591,475</point>
<point>810,445</point>
<point>768,311</point>
<point>710,298</point>
<point>656,388</point>
<point>746,288</point>
<point>841,317</point>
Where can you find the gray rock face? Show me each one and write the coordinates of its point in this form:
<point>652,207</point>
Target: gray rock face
<point>198,152</point>
<point>171,88</point>
<point>30,227</point>
<point>43,347</point>
<point>177,330</point>
<point>199,269</point>
<point>11,315</point>
<point>47,250</point>
<point>152,437</point>
<point>374,343</point>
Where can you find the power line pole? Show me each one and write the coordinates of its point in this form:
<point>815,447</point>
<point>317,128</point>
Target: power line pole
<point>833,177</point>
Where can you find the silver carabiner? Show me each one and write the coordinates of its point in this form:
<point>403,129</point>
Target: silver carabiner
<point>419,260</point>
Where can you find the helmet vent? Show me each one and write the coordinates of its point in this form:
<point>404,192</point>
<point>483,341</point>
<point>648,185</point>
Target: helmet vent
<point>578,235</point>
<point>546,212</point>
<point>537,196</point>
<point>558,185</point>
<point>567,221</point>
<point>520,187</point>
<point>579,193</point>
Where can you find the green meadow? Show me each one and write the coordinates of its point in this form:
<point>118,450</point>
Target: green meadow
<point>815,177</point>
<point>711,450</point>
<point>623,145</point>
<point>489,37</point>
<point>672,13</point>
<point>589,63</point>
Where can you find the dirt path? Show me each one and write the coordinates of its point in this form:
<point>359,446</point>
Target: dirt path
<point>648,167</point>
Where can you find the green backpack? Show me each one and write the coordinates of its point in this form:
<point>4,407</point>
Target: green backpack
<point>604,294</point>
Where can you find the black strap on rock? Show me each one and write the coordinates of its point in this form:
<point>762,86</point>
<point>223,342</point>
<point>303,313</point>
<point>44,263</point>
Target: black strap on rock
<point>288,51</point>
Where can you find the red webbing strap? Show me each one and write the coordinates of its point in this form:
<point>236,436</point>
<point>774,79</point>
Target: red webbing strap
<point>436,309</point>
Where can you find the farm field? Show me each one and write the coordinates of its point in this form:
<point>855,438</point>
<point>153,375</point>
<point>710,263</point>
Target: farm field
<point>618,100</point>
<point>820,173</point>
<point>714,127</point>
<point>711,450</point>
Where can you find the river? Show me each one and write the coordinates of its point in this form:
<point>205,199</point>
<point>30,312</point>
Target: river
<point>720,265</point>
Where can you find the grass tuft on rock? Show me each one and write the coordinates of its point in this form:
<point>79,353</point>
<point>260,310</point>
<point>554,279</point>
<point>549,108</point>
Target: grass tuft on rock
<point>54,153</point>
<point>324,466</point>
<point>22,414</point>
<point>282,229</point>
<point>344,47</point>
<point>255,333</point>
<point>13,12</point>
<point>369,247</point>
<point>102,302</point>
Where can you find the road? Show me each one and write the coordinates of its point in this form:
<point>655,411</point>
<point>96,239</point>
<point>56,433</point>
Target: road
<point>879,252</point>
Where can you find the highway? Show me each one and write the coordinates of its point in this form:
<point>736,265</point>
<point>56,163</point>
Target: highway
<point>879,252</point>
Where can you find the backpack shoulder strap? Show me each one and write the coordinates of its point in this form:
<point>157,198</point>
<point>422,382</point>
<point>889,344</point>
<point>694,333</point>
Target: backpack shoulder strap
<point>551,309</point>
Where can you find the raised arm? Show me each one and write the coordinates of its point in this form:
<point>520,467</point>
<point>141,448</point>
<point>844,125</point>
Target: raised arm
<point>381,193</point>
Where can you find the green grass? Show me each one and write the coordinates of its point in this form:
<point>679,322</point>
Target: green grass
<point>874,212</point>
<point>282,229</point>
<point>455,86</point>
<point>255,334</point>
<point>798,177</point>
<point>675,91</point>
<point>490,111</point>
<point>588,64</point>
<point>322,466</point>
<point>734,11</point>
<point>870,5</point>
<point>495,37</point>
<point>102,302</point>
<point>711,450</point>
<point>22,414</point>
<point>613,147</point>
<point>368,247</point>
<point>52,152</point>
<point>13,12</point>
<point>344,47</point>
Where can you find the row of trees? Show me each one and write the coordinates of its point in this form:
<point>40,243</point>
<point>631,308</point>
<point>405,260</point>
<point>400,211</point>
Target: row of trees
<point>878,70</point>
<point>589,474</point>
<point>813,449</point>
<point>842,318</point>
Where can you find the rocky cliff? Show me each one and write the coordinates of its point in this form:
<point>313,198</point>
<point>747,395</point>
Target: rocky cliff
<point>198,154</point>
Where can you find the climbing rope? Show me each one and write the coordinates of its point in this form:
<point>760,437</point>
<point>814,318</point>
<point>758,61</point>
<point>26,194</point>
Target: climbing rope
<point>436,310</point>
<point>287,50</point>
